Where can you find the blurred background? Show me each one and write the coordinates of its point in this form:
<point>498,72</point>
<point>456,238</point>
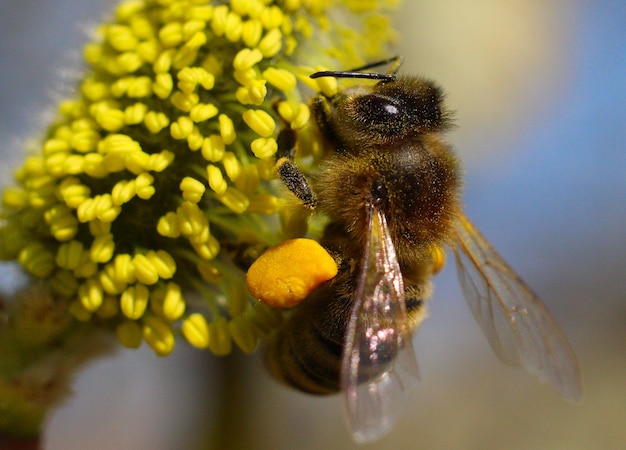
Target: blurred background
<point>540,92</point>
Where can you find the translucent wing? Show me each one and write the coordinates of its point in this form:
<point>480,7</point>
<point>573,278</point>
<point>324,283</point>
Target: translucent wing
<point>378,363</point>
<point>519,328</point>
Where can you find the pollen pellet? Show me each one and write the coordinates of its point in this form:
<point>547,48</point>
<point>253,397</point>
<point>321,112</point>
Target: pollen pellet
<point>287,273</point>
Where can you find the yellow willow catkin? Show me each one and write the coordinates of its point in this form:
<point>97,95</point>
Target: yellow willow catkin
<point>163,163</point>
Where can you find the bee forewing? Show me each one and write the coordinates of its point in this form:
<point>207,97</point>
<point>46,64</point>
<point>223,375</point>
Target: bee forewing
<point>518,326</point>
<point>378,363</point>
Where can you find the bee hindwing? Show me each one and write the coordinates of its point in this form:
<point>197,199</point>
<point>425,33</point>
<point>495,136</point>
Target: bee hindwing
<point>518,326</point>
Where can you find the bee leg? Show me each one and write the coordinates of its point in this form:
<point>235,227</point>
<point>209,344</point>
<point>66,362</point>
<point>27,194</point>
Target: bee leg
<point>288,170</point>
<point>322,113</point>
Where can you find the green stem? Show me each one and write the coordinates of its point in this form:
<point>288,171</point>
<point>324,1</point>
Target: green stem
<point>42,348</point>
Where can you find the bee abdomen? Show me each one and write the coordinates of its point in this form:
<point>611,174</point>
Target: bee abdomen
<point>306,352</point>
<point>299,356</point>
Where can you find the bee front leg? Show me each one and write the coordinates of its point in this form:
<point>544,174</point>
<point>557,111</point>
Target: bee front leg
<point>321,109</point>
<point>288,170</point>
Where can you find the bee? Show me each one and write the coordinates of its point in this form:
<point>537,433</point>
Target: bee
<point>390,187</point>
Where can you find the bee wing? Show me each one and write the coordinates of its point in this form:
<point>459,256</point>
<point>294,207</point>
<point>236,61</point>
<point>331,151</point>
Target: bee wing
<point>378,362</point>
<point>518,326</point>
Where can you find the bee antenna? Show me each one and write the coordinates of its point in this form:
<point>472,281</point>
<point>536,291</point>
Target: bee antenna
<point>349,74</point>
<point>358,72</point>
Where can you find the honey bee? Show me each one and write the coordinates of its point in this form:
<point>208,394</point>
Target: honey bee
<point>391,189</point>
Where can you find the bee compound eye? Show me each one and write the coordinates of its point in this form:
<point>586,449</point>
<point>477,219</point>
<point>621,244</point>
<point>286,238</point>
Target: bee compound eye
<point>377,109</point>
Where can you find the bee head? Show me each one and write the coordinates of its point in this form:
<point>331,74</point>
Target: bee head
<point>389,111</point>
